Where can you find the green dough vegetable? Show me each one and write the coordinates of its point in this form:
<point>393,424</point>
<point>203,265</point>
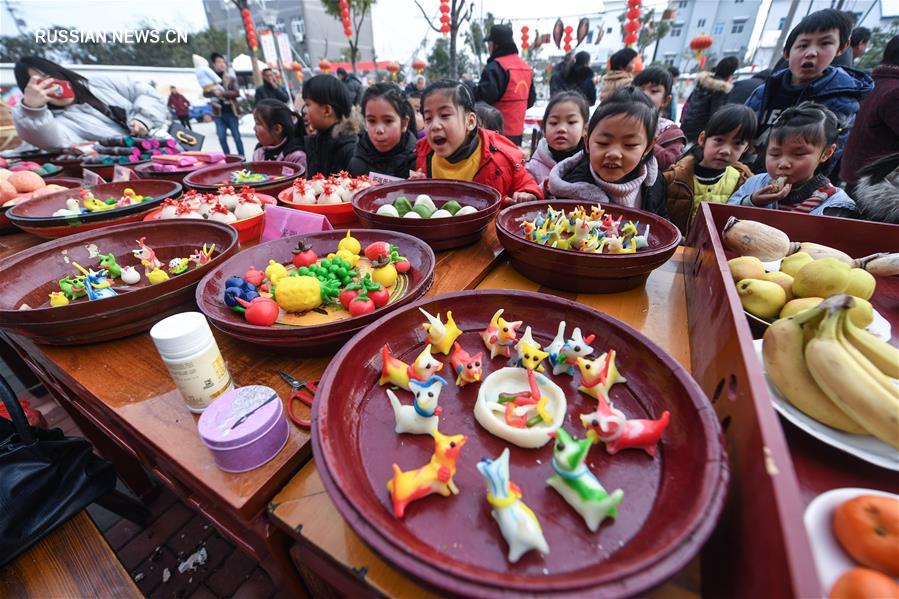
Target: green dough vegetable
<point>424,210</point>
<point>402,205</point>
<point>452,207</point>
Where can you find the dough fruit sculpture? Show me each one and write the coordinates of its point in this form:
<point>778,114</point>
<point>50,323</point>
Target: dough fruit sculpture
<point>298,294</point>
<point>863,583</point>
<point>868,529</point>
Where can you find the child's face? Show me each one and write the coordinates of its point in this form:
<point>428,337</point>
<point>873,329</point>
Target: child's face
<point>446,125</point>
<point>321,116</point>
<point>811,53</point>
<point>383,124</point>
<point>795,159</point>
<point>656,93</point>
<point>617,145</point>
<point>564,126</point>
<point>264,134</point>
<point>722,150</point>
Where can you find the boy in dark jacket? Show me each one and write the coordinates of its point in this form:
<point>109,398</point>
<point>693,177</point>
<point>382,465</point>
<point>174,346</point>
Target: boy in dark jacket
<point>809,50</point>
<point>656,83</point>
<point>710,95</point>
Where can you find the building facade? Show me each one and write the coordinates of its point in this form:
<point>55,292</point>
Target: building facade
<point>313,34</point>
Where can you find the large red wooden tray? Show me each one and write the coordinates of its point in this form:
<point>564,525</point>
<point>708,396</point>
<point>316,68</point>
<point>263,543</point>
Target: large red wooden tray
<point>67,182</point>
<point>106,171</point>
<point>36,216</point>
<point>671,502</point>
<point>318,339</point>
<point>29,276</point>
<point>579,271</point>
<point>761,548</point>
<point>209,179</point>
<point>440,234</point>
<point>145,170</point>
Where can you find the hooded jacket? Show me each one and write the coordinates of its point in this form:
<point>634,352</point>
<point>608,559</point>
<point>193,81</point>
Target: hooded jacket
<point>709,95</point>
<point>396,162</point>
<point>502,164</point>
<point>838,89</point>
<point>541,162</point>
<point>876,131</point>
<point>838,202</point>
<point>58,128</point>
<point>670,142</point>
<point>612,81</point>
<point>572,178</point>
<point>328,152</point>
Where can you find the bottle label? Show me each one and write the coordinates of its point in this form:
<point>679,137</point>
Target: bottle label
<point>201,378</point>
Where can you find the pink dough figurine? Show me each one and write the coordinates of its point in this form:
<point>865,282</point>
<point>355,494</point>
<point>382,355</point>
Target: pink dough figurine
<point>609,425</point>
<point>441,336</point>
<point>254,276</point>
<point>500,335</point>
<point>468,368</point>
<point>147,256</point>
<point>434,477</point>
<point>424,365</point>
<point>201,257</point>
<point>598,376</point>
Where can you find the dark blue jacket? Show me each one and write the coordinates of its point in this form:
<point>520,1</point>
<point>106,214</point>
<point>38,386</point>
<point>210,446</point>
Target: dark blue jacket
<point>839,89</point>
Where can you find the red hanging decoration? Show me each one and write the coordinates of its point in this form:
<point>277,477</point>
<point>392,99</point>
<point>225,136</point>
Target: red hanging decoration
<point>630,39</point>
<point>444,8</point>
<point>524,37</point>
<point>699,45</point>
<point>567,39</point>
<point>325,65</point>
<point>634,3</point>
<point>444,29</point>
<point>348,32</point>
<point>632,26</point>
<point>393,68</point>
<point>247,17</point>
<point>419,65</point>
<point>633,14</point>
<point>444,17</point>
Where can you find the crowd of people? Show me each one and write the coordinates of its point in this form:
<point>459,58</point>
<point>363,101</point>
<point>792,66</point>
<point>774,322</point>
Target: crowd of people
<point>813,136</point>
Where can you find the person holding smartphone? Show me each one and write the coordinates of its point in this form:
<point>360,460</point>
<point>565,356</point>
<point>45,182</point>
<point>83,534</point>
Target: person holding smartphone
<point>61,107</point>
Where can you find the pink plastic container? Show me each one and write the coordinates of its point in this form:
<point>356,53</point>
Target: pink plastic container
<point>244,428</point>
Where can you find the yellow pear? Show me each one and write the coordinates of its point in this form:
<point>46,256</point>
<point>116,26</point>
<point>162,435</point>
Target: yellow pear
<point>861,283</point>
<point>821,278</point>
<point>791,264</point>
<point>862,313</point>
<point>782,279</point>
<point>796,306</point>
<point>761,298</point>
<point>746,267</point>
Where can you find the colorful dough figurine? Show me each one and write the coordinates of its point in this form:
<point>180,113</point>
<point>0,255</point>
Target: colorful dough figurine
<point>468,368</point>
<point>146,254</point>
<point>178,266</point>
<point>577,485</point>
<point>441,336</point>
<point>563,354</point>
<point>98,286</point>
<point>156,275</point>
<point>609,425</point>
<point>530,354</point>
<point>393,370</point>
<point>201,257</point>
<point>434,477</point>
<point>58,298</point>
<point>73,287</point>
<point>423,416</point>
<point>130,276</point>
<point>520,406</point>
<point>517,523</point>
<point>108,262</point>
<point>598,376</point>
<point>500,335</point>
<point>424,365</point>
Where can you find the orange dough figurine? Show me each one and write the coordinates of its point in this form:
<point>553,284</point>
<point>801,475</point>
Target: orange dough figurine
<point>467,368</point>
<point>863,583</point>
<point>434,477</point>
<point>868,529</point>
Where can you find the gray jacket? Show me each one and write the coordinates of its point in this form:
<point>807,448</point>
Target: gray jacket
<point>60,128</point>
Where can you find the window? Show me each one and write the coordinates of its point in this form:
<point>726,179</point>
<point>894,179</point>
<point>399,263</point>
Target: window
<point>669,58</point>
<point>719,28</point>
<point>738,1</point>
<point>782,24</point>
<point>676,30</point>
<point>700,23</point>
<point>609,30</point>
<point>682,4</point>
<point>737,27</point>
<point>298,27</point>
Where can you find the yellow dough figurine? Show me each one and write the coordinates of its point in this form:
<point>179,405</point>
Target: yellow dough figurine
<point>440,336</point>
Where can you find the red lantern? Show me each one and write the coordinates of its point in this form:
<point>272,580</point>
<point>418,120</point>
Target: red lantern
<point>444,29</point>
<point>632,26</point>
<point>444,8</point>
<point>630,39</point>
<point>418,65</point>
<point>633,14</point>
<point>633,3</point>
<point>245,13</point>
<point>348,32</point>
<point>699,45</point>
<point>393,68</point>
<point>444,19</point>
<point>324,65</point>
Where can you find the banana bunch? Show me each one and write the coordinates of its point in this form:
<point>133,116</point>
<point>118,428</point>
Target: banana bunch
<point>834,371</point>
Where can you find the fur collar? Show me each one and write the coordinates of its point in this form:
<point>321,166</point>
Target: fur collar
<point>879,201</point>
<point>352,125</point>
<point>708,81</point>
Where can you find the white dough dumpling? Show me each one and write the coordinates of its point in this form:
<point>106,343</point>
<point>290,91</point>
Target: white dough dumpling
<point>388,210</point>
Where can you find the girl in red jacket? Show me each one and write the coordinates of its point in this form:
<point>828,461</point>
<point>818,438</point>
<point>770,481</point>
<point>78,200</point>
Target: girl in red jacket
<point>455,148</point>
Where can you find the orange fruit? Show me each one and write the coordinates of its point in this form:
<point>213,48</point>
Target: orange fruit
<point>863,583</point>
<point>868,529</point>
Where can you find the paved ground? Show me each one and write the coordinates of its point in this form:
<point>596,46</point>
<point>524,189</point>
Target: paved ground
<point>211,143</point>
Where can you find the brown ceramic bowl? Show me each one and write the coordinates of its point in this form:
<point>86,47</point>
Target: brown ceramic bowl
<point>36,216</point>
<point>209,179</point>
<point>441,233</point>
<point>106,171</point>
<point>671,501</point>
<point>68,182</point>
<point>579,271</point>
<point>145,171</point>
<point>29,276</point>
<point>320,339</point>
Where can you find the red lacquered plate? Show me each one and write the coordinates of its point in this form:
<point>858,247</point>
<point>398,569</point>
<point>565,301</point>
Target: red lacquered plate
<point>29,276</point>
<point>106,171</point>
<point>579,271</point>
<point>337,214</point>
<point>36,215</point>
<point>68,182</point>
<point>439,233</point>
<point>314,339</point>
<point>671,502</point>
<point>145,170</point>
<point>248,229</point>
<point>209,179</point>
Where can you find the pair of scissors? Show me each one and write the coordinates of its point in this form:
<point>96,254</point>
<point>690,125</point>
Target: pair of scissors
<point>303,391</point>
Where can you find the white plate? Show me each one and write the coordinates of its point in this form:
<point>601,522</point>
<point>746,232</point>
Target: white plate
<point>864,447</point>
<point>830,558</point>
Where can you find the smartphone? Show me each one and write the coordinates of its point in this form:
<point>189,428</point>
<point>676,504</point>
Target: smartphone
<point>61,89</point>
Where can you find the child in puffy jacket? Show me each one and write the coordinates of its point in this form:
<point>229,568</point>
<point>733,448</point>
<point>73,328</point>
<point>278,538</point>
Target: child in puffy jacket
<point>564,122</point>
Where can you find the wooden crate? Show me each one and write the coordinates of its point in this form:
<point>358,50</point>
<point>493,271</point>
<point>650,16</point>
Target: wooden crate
<point>760,548</point>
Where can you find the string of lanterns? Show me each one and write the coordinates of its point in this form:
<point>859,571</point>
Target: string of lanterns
<point>345,18</point>
<point>247,17</point>
<point>524,37</point>
<point>444,17</point>
<point>632,26</point>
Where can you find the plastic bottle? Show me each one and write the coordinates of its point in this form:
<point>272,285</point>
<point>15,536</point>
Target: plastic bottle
<point>189,351</point>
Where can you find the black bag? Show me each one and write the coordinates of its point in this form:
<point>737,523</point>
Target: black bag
<point>45,479</point>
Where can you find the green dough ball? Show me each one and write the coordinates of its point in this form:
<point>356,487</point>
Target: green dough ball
<point>452,207</point>
<point>402,205</point>
<point>423,210</point>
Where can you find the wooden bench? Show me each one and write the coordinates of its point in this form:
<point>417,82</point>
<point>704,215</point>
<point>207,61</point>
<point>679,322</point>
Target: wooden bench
<point>72,561</point>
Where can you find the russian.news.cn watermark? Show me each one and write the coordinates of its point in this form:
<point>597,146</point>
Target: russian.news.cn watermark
<point>128,36</point>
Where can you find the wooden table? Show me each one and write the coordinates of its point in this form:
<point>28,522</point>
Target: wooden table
<point>329,549</point>
<point>123,399</point>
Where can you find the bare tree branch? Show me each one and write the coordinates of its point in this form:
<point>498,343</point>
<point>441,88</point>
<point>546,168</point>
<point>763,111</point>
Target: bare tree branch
<point>468,13</point>
<point>427,18</point>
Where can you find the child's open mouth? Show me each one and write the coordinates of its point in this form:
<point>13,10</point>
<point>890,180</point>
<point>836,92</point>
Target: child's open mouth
<point>807,65</point>
<point>610,166</point>
<point>438,140</point>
